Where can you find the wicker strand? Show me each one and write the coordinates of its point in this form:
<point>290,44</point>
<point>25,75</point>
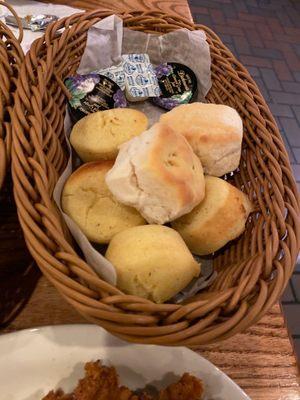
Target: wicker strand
<point>11,56</point>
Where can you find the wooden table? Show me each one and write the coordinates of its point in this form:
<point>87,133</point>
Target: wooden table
<point>261,360</point>
<point>179,7</point>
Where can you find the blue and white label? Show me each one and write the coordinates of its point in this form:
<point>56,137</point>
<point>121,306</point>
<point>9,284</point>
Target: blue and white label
<point>140,78</point>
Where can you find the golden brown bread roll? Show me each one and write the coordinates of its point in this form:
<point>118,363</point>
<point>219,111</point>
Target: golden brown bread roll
<point>152,261</point>
<point>99,135</point>
<point>87,200</point>
<point>214,131</point>
<point>219,218</point>
<point>158,174</point>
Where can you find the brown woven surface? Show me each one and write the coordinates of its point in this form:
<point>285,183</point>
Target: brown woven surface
<point>11,56</point>
<point>253,271</point>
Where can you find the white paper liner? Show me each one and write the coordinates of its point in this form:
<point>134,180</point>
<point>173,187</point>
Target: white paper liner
<point>106,41</point>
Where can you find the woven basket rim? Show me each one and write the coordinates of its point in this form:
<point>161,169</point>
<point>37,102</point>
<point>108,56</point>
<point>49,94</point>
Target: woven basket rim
<point>38,158</point>
<point>10,58</point>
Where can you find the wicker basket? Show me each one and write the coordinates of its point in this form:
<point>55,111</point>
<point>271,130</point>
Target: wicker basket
<point>253,271</point>
<point>11,56</point>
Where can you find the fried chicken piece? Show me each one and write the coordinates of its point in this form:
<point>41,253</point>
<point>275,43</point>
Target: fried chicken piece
<point>187,388</point>
<point>101,383</point>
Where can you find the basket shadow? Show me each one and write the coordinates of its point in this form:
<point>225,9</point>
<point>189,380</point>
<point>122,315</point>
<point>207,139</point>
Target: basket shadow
<point>18,274</point>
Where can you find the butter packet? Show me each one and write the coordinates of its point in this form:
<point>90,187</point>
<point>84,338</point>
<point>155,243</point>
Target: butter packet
<point>115,73</point>
<point>140,78</point>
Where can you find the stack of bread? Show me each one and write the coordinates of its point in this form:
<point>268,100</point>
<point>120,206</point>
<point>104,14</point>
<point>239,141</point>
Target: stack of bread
<point>135,180</point>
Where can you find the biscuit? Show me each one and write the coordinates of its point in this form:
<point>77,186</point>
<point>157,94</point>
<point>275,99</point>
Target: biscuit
<point>214,131</point>
<point>99,135</point>
<point>158,174</point>
<point>151,261</point>
<point>87,200</point>
<point>219,218</point>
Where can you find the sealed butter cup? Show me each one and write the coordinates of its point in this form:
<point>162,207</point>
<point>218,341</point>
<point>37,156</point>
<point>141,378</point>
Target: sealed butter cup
<point>91,93</point>
<point>178,85</point>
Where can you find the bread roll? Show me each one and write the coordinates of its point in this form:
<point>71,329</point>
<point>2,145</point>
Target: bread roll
<point>214,131</point>
<point>99,135</point>
<point>151,261</point>
<point>219,218</point>
<point>87,200</point>
<point>158,174</point>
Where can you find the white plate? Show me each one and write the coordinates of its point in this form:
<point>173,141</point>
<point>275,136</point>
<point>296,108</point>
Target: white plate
<point>32,362</point>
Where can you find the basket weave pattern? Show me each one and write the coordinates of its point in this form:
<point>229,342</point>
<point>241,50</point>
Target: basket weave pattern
<point>253,270</point>
<point>11,56</point>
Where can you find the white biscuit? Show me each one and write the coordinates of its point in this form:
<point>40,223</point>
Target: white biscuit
<point>214,131</point>
<point>158,174</point>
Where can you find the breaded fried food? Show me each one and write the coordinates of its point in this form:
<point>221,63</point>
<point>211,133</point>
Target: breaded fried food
<point>101,383</point>
<point>188,388</point>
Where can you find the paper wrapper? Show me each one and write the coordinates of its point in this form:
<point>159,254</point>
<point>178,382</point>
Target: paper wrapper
<point>106,42</point>
<point>30,7</point>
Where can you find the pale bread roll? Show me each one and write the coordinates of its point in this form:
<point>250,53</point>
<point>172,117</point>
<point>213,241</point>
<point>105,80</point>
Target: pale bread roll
<point>158,174</point>
<point>151,261</point>
<point>99,135</point>
<point>87,200</point>
<point>219,218</point>
<point>214,131</point>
